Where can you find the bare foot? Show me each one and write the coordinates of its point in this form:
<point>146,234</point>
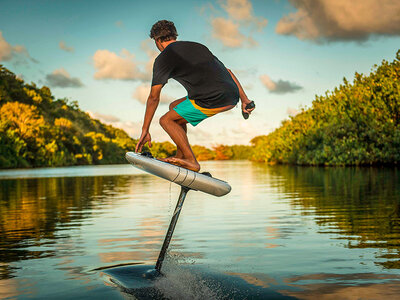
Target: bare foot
<point>168,159</point>
<point>165,159</point>
<point>185,163</point>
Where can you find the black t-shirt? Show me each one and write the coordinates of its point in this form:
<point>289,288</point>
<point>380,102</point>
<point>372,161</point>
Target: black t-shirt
<point>205,78</point>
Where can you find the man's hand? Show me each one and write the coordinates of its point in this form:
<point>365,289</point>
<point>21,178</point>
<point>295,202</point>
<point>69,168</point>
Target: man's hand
<point>244,103</point>
<point>144,138</point>
<point>242,96</point>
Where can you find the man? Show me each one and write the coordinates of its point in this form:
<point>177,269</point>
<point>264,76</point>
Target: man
<point>211,88</point>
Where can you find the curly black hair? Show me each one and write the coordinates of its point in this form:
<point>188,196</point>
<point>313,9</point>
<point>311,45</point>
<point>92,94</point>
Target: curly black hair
<point>163,30</point>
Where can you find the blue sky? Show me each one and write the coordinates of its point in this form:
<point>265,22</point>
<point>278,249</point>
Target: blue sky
<point>99,53</point>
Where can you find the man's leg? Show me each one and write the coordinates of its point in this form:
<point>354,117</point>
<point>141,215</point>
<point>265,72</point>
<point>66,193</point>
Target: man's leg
<point>182,124</point>
<point>172,123</point>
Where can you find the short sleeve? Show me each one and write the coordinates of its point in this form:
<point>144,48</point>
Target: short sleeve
<point>161,71</point>
<point>219,62</point>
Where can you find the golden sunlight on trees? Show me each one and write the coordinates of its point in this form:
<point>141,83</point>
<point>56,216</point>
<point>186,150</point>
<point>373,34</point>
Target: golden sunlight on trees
<point>24,119</point>
<point>356,124</point>
<point>63,123</point>
<point>33,95</point>
<point>203,153</point>
<point>222,152</point>
<point>37,130</point>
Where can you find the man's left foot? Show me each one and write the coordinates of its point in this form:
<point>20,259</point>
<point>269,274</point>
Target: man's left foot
<point>185,163</point>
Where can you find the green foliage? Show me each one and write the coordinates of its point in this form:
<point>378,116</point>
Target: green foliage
<point>203,153</point>
<point>241,152</point>
<point>222,152</point>
<point>162,150</point>
<point>36,130</point>
<point>356,124</point>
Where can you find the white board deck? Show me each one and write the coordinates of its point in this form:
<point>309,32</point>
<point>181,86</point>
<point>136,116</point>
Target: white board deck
<point>184,177</point>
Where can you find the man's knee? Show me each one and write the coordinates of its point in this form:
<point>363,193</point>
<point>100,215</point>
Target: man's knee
<point>164,120</point>
<point>172,105</point>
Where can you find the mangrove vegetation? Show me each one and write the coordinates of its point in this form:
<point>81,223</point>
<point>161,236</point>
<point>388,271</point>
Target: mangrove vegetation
<point>356,124</point>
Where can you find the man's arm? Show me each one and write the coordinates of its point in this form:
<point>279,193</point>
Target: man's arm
<point>151,105</point>
<point>242,94</point>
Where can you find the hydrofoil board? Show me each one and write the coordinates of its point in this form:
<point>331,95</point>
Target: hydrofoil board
<point>183,177</point>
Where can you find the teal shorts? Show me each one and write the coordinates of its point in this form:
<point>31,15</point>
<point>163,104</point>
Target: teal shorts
<point>193,113</point>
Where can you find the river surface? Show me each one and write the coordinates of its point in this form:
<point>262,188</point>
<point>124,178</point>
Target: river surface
<point>283,232</point>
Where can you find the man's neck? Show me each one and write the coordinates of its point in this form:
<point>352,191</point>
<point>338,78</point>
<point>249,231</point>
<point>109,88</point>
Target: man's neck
<point>166,43</point>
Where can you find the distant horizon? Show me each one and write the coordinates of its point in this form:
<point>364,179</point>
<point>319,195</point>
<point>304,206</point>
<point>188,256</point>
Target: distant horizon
<point>283,52</point>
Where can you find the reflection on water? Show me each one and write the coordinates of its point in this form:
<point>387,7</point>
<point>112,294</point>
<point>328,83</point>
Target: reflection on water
<point>287,231</point>
<point>37,212</point>
<point>362,205</point>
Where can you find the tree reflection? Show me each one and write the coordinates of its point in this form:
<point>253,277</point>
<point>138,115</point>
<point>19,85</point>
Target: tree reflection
<point>360,204</point>
<point>36,212</point>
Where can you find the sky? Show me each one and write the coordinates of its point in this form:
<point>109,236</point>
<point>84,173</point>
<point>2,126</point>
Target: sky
<point>284,53</point>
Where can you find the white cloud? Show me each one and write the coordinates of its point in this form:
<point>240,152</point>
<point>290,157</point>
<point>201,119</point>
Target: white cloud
<point>242,10</point>
<point>61,78</point>
<point>237,131</point>
<point>280,86</point>
<point>6,50</point>
<point>238,9</point>
<point>147,47</point>
<point>292,111</point>
<point>228,130</point>
<point>109,65</point>
<point>267,82</point>
<point>248,86</point>
<point>133,129</point>
<point>228,33</point>
<point>9,52</point>
<point>104,118</point>
<point>64,47</point>
<point>142,91</point>
<point>20,49</point>
<point>341,20</point>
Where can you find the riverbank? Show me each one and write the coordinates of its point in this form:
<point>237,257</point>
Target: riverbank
<point>356,124</point>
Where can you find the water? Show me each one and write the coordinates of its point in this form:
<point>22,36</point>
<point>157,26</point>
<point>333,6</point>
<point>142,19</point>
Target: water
<point>283,232</point>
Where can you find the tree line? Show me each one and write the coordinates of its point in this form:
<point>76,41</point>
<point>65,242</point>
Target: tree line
<point>37,130</point>
<point>356,124</point>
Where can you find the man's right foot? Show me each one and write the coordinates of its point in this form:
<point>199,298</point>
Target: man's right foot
<point>185,163</point>
<point>168,159</point>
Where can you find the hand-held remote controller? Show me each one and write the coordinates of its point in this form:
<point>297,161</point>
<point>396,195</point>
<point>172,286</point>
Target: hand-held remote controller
<point>248,106</point>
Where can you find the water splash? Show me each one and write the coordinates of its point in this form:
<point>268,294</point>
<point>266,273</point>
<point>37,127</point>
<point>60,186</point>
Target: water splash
<point>181,282</point>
